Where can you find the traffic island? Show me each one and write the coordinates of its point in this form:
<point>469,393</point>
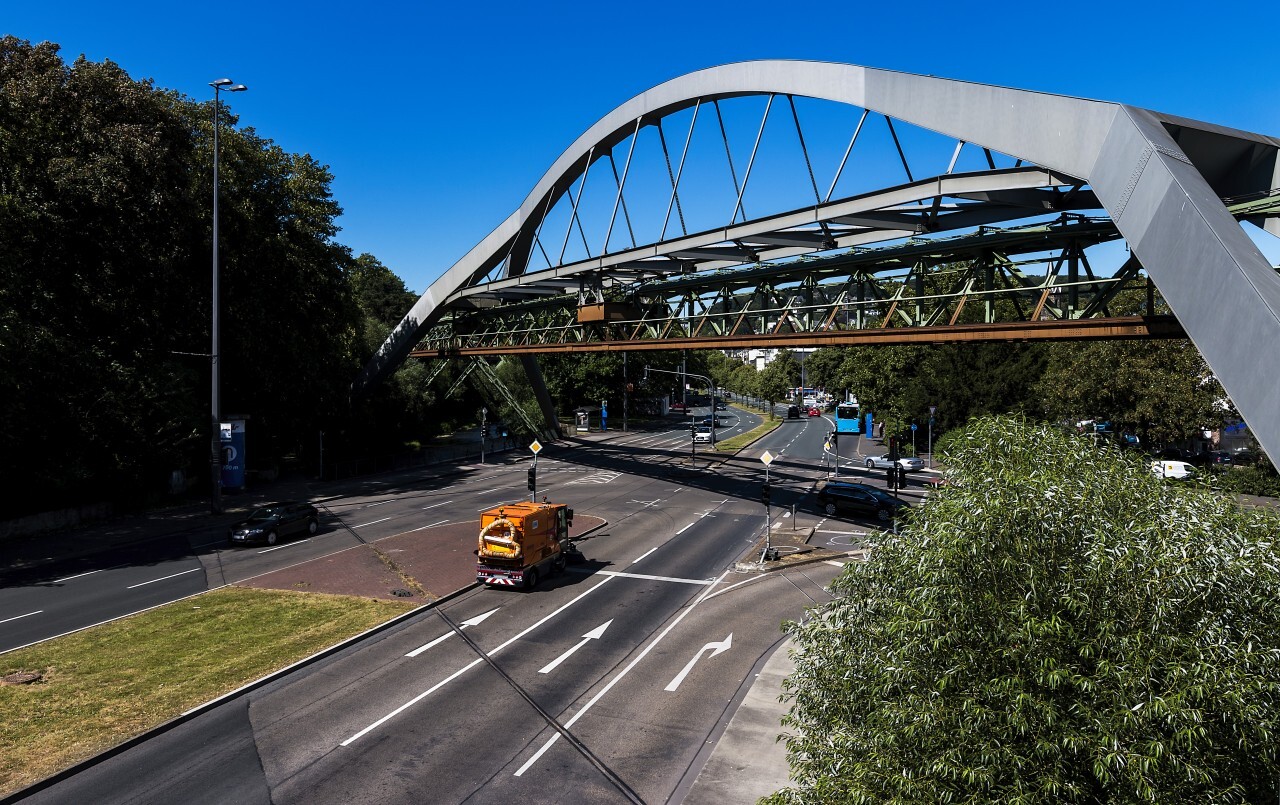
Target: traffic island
<point>789,547</point>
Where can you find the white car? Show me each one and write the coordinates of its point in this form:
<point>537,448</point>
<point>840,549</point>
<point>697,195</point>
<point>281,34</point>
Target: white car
<point>908,463</point>
<point>702,433</point>
<point>1178,470</point>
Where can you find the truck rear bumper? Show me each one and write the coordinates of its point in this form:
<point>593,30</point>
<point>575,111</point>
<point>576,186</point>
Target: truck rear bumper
<point>499,576</point>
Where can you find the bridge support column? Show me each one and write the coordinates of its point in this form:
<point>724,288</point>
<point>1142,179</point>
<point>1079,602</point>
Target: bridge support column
<point>534,373</point>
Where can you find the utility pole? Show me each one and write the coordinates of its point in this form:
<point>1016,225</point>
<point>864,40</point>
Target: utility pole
<point>484,430</point>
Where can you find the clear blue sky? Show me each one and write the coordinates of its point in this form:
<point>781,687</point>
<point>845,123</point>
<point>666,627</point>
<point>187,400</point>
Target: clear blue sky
<point>437,118</point>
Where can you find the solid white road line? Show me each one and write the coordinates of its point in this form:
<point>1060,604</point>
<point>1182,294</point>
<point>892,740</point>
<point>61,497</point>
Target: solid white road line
<point>286,545</point>
<point>423,528</point>
<point>28,615</point>
<point>646,553</point>
<point>77,576</point>
<point>466,668</point>
<point>162,578</point>
<point>372,522</point>
<point>652,578</point>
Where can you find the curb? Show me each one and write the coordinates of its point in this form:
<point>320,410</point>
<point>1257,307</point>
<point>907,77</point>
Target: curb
<point>201,709</point>
<point>249,687</point>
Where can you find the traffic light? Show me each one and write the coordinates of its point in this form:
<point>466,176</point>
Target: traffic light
<point>764,493</point>
<point>533,479</point>
<point>891,477</point>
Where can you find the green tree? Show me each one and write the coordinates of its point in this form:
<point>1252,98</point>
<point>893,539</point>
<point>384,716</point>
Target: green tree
<point>1161,390</point>
<point>775,382</point>
<point>1055,625</point>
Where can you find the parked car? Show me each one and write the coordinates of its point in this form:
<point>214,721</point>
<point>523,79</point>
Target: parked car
<point>1220,458</point>
<point>269,523</point>
<point>677,407</point>
<point>908,463</point>
<point>837,496</point>
<point>1176,470</point>
<point>1244,455</point>
<point>813,411</point>
<point>702,433</point>
<point>793,412</point>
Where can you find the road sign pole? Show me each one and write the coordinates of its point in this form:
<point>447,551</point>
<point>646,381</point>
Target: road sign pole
<point>535,447</point>
<point>933,409</point>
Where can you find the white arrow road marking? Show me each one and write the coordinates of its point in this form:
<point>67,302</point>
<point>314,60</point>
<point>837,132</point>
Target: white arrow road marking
<point>594,634</point>
<point>555,736</point>
<point>424,694</point>
<point>477,620</point>
<point>714,648</point>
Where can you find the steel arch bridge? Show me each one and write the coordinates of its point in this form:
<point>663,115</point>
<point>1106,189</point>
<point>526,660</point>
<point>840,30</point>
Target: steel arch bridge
<point>944,211</point>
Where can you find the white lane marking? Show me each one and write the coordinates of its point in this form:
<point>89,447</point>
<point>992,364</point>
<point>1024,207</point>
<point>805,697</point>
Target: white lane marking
<point>702,581</point>
<point>162,578</point>
<point>286,545</point>
<point>435,505</point>
<point>372,522</point>
<point>379,503</point>
<point>841,533</point>
<point>465,668</point>
<point>704,514</point>
<point>653,644</point>
<point>646,553</point>
<point>594,634</point>
<point>77,576</point>
<point>28,615</point>
<point>478,619</point>
<point>495,489</point>
<point>715,648</point>
<point>833,563</point>
<point>432,525</point>
<point>496,503</point>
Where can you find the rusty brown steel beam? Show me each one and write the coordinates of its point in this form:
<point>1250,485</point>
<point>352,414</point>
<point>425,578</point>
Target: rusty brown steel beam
<point>1124,327</point>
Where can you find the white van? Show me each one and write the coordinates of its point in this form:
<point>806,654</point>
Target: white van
<point>1178,470</point>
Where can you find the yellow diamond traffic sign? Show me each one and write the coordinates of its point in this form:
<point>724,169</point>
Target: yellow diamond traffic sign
<point>535,446</point>
<point>767,458</point>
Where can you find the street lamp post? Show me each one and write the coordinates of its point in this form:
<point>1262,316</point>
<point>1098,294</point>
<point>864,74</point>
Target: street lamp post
<point>215,459</point>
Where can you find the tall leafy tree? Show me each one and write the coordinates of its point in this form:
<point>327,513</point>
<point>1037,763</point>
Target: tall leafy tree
<point>1161,390</point>
<point>1054,626</point>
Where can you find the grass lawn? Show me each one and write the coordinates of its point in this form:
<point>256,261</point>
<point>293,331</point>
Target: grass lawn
<point>743,439</point>
<point>104,685</point>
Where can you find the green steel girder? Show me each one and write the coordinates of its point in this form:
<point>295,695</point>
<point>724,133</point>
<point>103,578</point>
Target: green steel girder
<point>985,276</point>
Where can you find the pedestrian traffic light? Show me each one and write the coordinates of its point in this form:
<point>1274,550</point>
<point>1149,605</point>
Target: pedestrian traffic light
<point>533,479</point>
<point>891,477</point>
<point>764,493</point>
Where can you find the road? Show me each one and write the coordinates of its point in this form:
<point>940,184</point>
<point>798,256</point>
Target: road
<point>602,685</point>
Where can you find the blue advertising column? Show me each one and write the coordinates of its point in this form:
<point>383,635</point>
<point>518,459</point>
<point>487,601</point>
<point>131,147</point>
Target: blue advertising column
<point>868,432</point>
<point>233,454</point>
<point>604,415</point>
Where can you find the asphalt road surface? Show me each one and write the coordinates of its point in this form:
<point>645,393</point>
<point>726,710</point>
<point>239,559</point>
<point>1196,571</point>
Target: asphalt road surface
<point>604,684</point>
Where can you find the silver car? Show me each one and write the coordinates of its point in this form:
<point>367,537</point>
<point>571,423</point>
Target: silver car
<point>908,463</point>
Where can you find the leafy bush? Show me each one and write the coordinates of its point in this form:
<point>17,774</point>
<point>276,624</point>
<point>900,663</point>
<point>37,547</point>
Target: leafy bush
<point>1054,626</point>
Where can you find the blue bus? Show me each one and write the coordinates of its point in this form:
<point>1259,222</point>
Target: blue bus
<point>847,420</point>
